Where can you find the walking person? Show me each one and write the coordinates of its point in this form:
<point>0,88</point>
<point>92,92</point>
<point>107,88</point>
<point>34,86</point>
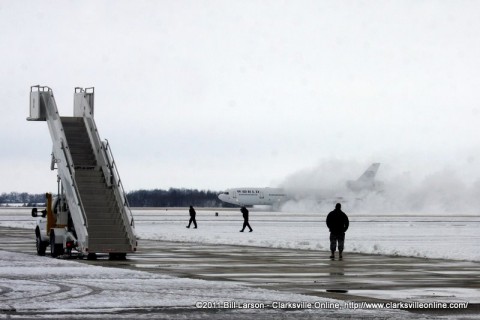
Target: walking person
<point>337,223</point>
<point>192,217</point>
<point>244,211</point>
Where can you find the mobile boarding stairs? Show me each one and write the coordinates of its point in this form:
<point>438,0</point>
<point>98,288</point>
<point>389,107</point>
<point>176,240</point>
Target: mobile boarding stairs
<point>102,220</point>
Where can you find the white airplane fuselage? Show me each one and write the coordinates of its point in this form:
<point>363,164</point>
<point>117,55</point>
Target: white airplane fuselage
<point>276,196</point>
<point>253,196</point>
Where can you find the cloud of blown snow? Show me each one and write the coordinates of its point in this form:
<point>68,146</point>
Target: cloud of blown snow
<point>443,190</point>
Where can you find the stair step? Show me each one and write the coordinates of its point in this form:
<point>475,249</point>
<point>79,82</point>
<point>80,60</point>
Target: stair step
<point>95,190</point>
<point>94,205</point>
<point>121,240</point>
<point>87,181</point>
<point>103,232</point>
<point>93,221</point>
<point>83,149</point>
<point>121,248</point>
<point>107,234</point>
<point>90,182</point>
<point>78,161</point>
<point>107,213</point>
<point>112,215</point>
<point>96,208</point>
<point>75,144</point>
<point>90,173</point>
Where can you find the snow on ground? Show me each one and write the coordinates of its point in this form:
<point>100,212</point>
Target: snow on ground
<point>45,287</point>
<point>419,236</point>
<point>33,285</point>
<point>429,236</point>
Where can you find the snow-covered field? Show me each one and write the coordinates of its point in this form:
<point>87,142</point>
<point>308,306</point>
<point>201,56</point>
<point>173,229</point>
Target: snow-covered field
<point>421,236</point>
<point>36,286</point>
<point>429,236</point>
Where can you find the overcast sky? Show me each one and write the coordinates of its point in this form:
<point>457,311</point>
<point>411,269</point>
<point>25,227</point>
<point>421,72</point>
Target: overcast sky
<point>218,94</point>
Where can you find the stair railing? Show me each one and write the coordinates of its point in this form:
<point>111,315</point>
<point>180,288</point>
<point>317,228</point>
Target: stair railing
<point>117,185</point>
<point>43,99</point>
<point>105,159</point>
<point>118,182</point>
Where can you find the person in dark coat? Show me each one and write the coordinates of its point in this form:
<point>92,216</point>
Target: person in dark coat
<point>192,217</point>
<point>337,223</point>
<point>245,219</point>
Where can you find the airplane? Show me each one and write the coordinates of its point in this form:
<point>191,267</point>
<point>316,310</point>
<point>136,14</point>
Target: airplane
<point>253,196</point>
<point>276,196</point>
<point>366,182</point>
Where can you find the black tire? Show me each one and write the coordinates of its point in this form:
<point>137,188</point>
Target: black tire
<point>41,245</point>
<point>55,249</point>
<point>92,256</point>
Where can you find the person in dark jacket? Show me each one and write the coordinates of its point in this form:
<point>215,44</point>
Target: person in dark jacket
<point>192,217</point>
<point>245,219</point>
<point>337,223</point>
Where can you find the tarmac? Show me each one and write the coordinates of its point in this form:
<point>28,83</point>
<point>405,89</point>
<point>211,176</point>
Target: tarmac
<point>356,278</point>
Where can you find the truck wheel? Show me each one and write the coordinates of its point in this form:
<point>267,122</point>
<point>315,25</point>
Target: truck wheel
<point>55,249</point>
<point>41,245</point>
<point>92,256</point>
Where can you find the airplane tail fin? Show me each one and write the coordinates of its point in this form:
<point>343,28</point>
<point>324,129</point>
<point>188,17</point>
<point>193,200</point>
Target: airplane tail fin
<point>366,180</point>
<point>370,173</point>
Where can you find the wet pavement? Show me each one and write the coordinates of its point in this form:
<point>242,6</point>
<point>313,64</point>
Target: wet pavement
<point>358,277</point>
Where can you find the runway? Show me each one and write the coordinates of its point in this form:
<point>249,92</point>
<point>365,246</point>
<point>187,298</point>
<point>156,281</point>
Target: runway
<point>358,277</point>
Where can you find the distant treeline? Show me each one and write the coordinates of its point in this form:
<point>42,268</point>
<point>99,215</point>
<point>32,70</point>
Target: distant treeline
<point>15,198</point>
<point>140,198</point>
<point>174,198</point>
